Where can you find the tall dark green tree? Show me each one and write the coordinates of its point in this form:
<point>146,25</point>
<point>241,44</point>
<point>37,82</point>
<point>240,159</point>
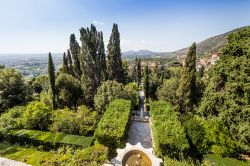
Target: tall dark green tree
<point>102,68</point>
<point>89,63</point>
<point>146,82</point>
<point>65,66</point>
<point>138,71</point>
<point>70,63</point>
<point>186,92</point>
<point>114,63</point>
<point>52,77</point>
<point>154,82</point>
<point>75,52</point>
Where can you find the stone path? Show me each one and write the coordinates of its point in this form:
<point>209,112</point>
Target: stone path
<point>8,162</point>
<point>140,131</point>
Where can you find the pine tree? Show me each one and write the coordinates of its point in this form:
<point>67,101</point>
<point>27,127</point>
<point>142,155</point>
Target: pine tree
<point>114,63</point>
<point>186,91</point>
<point>146,82</point>
<point>75,52</point>
<point>52,77</point>
<point>65,67</point>
<point>138,72</point>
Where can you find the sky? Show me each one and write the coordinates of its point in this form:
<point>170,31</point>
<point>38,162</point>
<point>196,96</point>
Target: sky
<point>42,26</point>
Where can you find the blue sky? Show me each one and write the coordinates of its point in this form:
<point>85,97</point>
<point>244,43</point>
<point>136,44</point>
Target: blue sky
<point>40,26</point>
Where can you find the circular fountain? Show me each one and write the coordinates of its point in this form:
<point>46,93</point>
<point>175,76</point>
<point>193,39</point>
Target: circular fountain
<point>135,155</point>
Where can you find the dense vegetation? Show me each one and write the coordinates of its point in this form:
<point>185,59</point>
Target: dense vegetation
<point>197,116</point>
<point>214,106</point>
<point>113,127</point>
<point>168,133</point>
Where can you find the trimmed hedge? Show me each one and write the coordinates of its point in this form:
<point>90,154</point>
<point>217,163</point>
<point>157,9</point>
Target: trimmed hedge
<point>113,127</point>
<point>47,139</point>
<point>169,136</point>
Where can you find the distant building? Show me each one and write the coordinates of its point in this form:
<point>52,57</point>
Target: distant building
<point>215,57</point>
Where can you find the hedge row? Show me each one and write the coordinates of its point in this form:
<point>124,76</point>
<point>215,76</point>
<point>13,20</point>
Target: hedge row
<point>113,127</point>
<point>169,136</point>
<point>47,139</point>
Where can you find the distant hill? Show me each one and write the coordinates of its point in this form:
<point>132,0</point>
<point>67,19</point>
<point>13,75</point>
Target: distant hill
<point>211,44</point>
<point>140,53</point>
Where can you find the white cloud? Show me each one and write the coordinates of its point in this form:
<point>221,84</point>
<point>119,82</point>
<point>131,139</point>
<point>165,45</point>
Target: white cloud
<point>95,22</point>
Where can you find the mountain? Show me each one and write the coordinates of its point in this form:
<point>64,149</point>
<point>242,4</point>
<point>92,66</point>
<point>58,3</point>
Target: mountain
<point>140,53</point>
<point>211,44</point>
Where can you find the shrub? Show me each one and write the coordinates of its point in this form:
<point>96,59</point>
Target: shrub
<point>37,116</point>
<point>87,120</point>
<point>169,136</point>
<point>107,92</point>
<point>94,156</point>
<point>64,121</point>
<point>112,129</point>
<point>172,162</point>
<point>11,118</point>
<point>82,122</point>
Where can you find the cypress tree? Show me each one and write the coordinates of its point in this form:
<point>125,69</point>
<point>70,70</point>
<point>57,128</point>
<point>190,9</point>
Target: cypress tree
<point>138,71</point>
<point>89,63</point>
<point>186,91</point>
<point>146,82</point>
<point>65,64</point>
<point>101,58</point>
<point>52,77</point>
<point>114,63</point>
<point>70,64</point>
<point>75,52</point>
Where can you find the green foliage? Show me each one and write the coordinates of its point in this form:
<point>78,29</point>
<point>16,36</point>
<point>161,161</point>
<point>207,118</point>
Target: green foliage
<point>41,83</point>
<point>11,119</point>
<point>219,161</point>
<point>227,95</point>
<point>31,155</point>
<point>13,90</point>
<point>93,156</point>
<point>131,93</point>
<point>90,63</point>
<point>69,91</point>
<point>46,138</point>
<point>37,116</point>
<point>52,78</point>
<point>74,50</point>
<point>169,136</point>
<point>146,82</point>
<point>172,162</point>
<point>186,92</point>
<point>112,128</point>
<point>138,70</point>
<point>167,91</point>
<point>107,92</point>
<point>114,63</point>
<point>64,121</point>
<point>82,122</point>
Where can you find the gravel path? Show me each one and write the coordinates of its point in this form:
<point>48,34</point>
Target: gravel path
<point>8,162</point>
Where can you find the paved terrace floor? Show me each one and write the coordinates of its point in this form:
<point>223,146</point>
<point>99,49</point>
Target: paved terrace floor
<point>140,131</point>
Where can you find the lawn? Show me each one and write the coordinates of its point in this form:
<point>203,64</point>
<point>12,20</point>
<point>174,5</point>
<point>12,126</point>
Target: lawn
<point>50,137</point>
<point>32,155</point>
